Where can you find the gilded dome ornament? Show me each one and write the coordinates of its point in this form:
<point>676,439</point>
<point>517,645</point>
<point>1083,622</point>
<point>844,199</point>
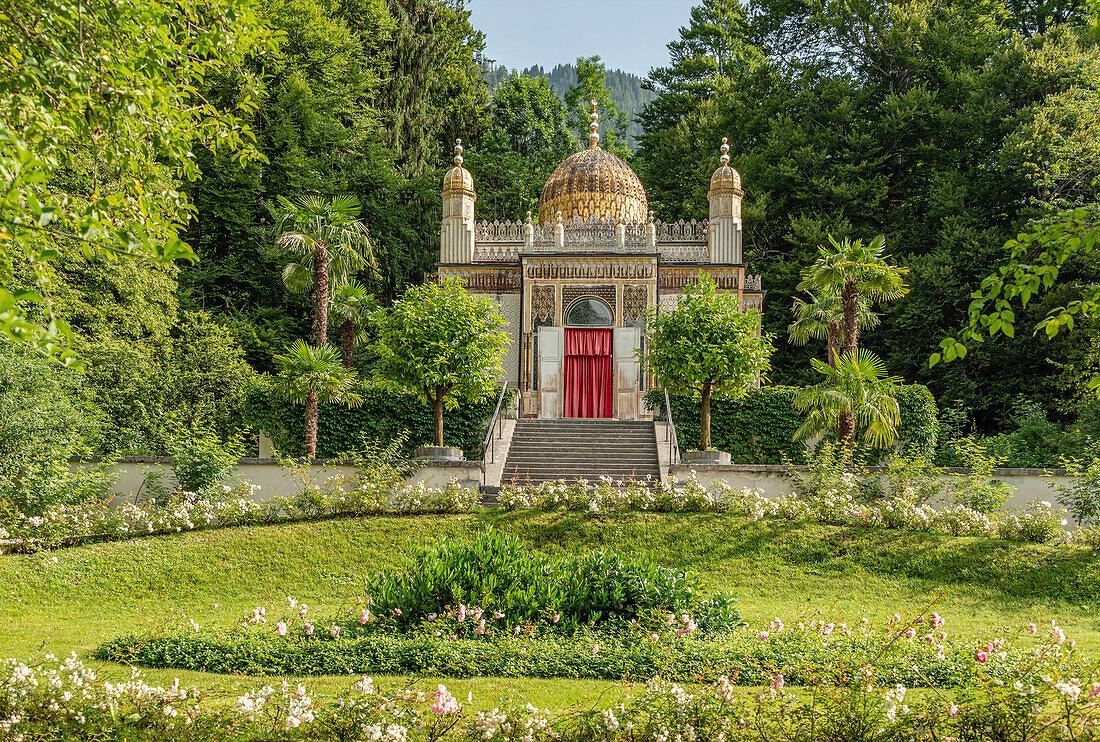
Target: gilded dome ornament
<point>458,178</point>
<point>593,183</point>
<point>725,180</point>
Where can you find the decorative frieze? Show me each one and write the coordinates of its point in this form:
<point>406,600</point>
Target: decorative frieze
<point>497,280</point>
<point>570,294</point>
<point>676,279</point>
<point>590,268</point>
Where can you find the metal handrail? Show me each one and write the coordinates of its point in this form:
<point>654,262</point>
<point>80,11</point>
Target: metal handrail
<point>670,433</point>
<point>486,445</point>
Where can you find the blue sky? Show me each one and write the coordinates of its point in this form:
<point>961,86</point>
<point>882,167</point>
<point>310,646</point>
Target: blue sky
<point>627,34</point>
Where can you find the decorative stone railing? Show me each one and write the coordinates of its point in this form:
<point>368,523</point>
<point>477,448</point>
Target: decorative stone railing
<point>681,242</point>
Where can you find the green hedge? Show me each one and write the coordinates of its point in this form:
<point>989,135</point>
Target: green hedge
<point>758,429</point>
<point>593,654</point>
<point>382,417</point>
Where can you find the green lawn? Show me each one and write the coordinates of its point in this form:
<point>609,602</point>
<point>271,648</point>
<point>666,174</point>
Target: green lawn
<point>796,571</point>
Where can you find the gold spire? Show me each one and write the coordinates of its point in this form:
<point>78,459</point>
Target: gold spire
<point>458,178</point>
<point>593,127</point>
<point>725,180</point>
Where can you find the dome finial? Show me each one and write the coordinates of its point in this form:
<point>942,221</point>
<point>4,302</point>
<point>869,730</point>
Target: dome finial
<point>725,158</point>
<point>458,153</point>
<point>593,126</point>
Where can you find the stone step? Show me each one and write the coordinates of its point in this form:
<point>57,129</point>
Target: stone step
<point>570,449</point>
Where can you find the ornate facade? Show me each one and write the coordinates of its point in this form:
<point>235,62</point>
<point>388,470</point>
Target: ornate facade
<point>585,275</point>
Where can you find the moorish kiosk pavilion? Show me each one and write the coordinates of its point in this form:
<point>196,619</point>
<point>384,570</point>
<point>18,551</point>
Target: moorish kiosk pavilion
<point>576,286</point>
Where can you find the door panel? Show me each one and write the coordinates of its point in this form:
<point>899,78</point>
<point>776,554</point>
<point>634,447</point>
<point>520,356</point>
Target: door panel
<point>626,372</point>
<point>550,355</point>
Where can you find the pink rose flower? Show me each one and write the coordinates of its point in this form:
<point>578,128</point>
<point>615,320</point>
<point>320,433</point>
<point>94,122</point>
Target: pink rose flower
<point>445,703</point>
<point>281,628</point>
<point>982,656</point>
<point>309,629</point>
<point>364,616</point>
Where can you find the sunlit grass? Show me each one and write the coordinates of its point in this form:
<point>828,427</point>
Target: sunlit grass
<point>796,571</point>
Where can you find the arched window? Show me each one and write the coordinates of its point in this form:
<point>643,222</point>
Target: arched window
<point>589,313</point>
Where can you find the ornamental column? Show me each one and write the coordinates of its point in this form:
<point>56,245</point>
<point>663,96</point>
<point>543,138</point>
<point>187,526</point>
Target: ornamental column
<point>724,227</point>
<point>456,238</point>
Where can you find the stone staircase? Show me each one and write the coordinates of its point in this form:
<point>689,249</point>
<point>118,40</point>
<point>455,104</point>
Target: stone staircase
<point>584,448</point>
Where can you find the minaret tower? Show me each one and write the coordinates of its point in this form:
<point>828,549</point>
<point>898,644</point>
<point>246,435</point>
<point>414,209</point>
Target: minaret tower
<point>456,240</point>
<point>724,227</point>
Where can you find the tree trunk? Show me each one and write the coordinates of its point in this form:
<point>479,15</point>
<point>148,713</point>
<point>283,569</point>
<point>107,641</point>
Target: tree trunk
<point>834,341</point>
<point>849,301</point>
<point>311,425</point>
<point>437,410</point>
<point>347,341</point>
<point>846,431</point>
<point>320,294</point>
<point>704,423</point>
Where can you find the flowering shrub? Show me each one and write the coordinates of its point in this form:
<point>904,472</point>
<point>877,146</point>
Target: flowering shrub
<point>230,506</point>
<point>842,503</point>
<point>1037,524</point>
<point>917,652</point>
<point>848,682</point>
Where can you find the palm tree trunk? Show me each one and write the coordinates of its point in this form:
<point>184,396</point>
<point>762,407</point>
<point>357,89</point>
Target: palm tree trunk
<point>347,341</point>
<point>704,422</point>
<point>846,431</point>
<point>320,294</point>
<point>437,411</point>
<point>834,340</point>
<point>311,425</point>
<point>849,301</point>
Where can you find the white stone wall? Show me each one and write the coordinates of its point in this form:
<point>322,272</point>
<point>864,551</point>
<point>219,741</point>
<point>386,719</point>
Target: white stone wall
<point>509,306</point>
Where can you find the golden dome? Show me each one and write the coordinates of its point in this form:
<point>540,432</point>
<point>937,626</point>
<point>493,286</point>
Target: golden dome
<point>593,183</point>
<point>458,178</point>
<point>725,180</point>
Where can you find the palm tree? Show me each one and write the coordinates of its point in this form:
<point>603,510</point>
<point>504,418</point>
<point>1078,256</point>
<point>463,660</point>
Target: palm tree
<point>327,244</point>
<point>823,319</point>
<point>313,375</point>
<point>353,305</point>
<point>854,272</point>
<point>855,394</point>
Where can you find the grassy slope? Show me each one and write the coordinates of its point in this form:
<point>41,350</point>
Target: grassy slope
<point>791,570</point>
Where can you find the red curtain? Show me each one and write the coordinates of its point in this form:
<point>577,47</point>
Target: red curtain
<point>587,376</point>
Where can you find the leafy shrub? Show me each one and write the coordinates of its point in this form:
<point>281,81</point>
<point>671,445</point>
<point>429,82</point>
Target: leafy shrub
<point>45,419</point>
<point>608,655</point>
<point>384,416</point>
<point>758,428</point>
<point>829,473</point>
<point>977,490</point>
<point>202,462</point>
<point>1037,524</point>
<point>1082,495</point>
<point>911,478</point>
<point>499,573</point>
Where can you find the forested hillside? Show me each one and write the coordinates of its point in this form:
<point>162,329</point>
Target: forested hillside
<point>624,88</point>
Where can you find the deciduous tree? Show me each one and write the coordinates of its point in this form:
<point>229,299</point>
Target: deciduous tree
<point>442,343</point>
<point>707,346</point>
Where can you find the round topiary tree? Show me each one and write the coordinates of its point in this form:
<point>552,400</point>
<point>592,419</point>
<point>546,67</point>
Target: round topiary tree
<point>707,346</point>
<point>441,343</point>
